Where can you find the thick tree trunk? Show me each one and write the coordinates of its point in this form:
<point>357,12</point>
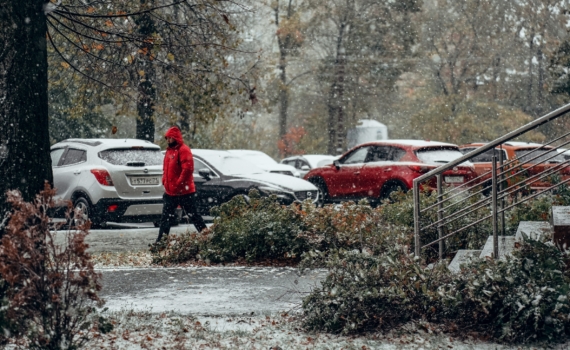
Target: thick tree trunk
<point>147,75</point>
<point>25,162</point>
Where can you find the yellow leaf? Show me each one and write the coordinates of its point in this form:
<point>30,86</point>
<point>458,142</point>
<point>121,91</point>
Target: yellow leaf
<point>130,58</point>
<point>170,56</point>
<point>65,65</point>
<point>141,73</point>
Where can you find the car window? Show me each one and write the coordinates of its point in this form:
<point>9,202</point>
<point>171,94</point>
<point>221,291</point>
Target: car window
<point>74,156</point>
<point>378,154</point>
<point>302,163</point>
<point>397,154</point>
<point>56,155</point>
<point>123,156</point>
<point>485,157</point>
<point>198,165</point>
<point>525,155</point>
<point>356,157</point>
<point>290,162</point>
<point>439,155</point>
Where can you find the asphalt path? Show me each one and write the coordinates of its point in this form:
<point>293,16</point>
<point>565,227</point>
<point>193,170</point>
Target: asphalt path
<point>202,291</point>
<point>126,237</point>
<point>208,291</point>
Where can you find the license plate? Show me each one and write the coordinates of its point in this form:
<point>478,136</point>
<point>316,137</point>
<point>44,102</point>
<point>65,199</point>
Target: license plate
<point>453,179</point>
<point>136,181</point>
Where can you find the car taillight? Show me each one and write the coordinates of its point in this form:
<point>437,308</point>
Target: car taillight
<point>102,177</point>
<point>112,207</point>
<point>421,168</point>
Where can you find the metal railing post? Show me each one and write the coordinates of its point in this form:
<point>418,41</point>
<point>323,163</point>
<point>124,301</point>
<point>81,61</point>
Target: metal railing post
<point>440,214</point>
<point>416,194</point>
<point>495,215</point>
<point>502,186</point>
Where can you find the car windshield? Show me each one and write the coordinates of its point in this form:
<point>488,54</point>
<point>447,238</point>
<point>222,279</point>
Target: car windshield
<point>231,165</point>
<point>148,156</point>
<point>438,155</point>
<point>527,155</point>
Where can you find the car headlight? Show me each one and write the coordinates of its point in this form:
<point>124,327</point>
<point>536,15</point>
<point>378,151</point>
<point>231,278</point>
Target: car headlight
<point>274,190</point>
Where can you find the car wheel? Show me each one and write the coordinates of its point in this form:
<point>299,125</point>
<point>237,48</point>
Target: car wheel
<point>82,213</point>
<point>391,188</point>
<point>323,191</point>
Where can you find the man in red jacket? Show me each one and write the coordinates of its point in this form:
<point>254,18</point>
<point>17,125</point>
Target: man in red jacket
<point>178,181</point>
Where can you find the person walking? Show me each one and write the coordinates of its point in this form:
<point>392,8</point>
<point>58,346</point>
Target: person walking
<point>178,182</point>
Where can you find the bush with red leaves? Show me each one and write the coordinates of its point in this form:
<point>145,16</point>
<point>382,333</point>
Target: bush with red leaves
<point>51,285</point>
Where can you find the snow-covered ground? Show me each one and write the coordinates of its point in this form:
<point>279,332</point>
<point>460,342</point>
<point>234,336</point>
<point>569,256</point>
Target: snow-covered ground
<point>209,291</point>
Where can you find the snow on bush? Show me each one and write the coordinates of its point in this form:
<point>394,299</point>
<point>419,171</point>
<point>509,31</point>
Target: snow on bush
<point>51,289</point>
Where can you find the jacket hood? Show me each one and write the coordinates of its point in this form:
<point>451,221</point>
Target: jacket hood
<point>176,134</point>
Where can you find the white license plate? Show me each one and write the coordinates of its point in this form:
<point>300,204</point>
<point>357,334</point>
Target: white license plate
<point>453,179</point>
<point>136,181</point>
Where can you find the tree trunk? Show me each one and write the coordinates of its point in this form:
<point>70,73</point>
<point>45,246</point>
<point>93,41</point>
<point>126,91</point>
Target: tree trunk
<point>540,83</point>
<point>25,162</point>
<point>283,96</point>
<point>529,103</point>
<point>147,75</point>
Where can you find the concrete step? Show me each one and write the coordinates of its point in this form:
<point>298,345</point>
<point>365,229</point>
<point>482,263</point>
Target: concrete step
<point>535,230</point>
<point>461,257</point>
<point>506,246</point>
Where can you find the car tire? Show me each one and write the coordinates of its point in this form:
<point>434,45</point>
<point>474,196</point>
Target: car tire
<point>390,188</point>
<point>81,203</point>
<point>323,190</point>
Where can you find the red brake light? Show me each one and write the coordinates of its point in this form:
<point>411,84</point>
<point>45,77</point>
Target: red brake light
<point>421,168</point>
<point>112,207</point>
<point>102,177</point>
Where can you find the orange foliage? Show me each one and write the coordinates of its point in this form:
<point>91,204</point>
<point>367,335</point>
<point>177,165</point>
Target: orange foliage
<point>290,142</point>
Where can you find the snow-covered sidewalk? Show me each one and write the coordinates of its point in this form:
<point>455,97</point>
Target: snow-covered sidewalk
<point>234,291</point>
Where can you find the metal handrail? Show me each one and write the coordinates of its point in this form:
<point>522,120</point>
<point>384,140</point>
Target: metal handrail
<point>497,177</point>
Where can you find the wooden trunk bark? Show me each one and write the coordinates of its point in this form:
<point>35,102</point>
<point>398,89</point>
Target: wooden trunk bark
<point>25,162</point>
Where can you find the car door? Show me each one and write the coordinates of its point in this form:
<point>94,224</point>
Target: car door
<point>68,171</point>
<point>207,190</point>
<point>377,169</point>
<point>345,181</point>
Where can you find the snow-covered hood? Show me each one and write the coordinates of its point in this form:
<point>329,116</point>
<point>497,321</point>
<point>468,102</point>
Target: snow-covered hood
<point>276,167</point>
<point>285,182</point>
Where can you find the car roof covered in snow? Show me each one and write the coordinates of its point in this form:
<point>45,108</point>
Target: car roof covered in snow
<point>100,144</point>
<point>413,143</point>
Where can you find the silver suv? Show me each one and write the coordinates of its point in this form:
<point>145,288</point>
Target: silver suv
<point>118,180</point>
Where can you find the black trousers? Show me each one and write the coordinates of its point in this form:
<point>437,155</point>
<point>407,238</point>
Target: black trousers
<point>188,204</point>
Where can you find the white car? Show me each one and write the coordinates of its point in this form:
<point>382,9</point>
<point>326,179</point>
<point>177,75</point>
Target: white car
<point>265,162</point>
<point>117,180</point>
<point>305,163</point>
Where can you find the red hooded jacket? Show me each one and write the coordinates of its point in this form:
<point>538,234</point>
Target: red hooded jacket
<point>178,166</point>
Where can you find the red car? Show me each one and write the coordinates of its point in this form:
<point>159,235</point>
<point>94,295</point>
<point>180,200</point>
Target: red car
<point>376,169</point>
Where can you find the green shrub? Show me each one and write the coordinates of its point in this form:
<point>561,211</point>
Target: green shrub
<point>524,298</point>
<point>364,292</point>
<point>257,229</point>
<point>401,212</point>
<point>521,299</point>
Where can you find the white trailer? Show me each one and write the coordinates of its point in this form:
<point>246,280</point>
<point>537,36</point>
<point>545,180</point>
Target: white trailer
<point>366,130</point>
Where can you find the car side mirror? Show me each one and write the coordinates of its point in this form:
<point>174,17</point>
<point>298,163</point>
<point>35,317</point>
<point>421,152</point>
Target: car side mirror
<point>205,173</point>
<point>305,168</point>
<point>336,164</point>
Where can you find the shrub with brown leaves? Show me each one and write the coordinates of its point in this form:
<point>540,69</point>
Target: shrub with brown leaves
<point>52,285</point>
